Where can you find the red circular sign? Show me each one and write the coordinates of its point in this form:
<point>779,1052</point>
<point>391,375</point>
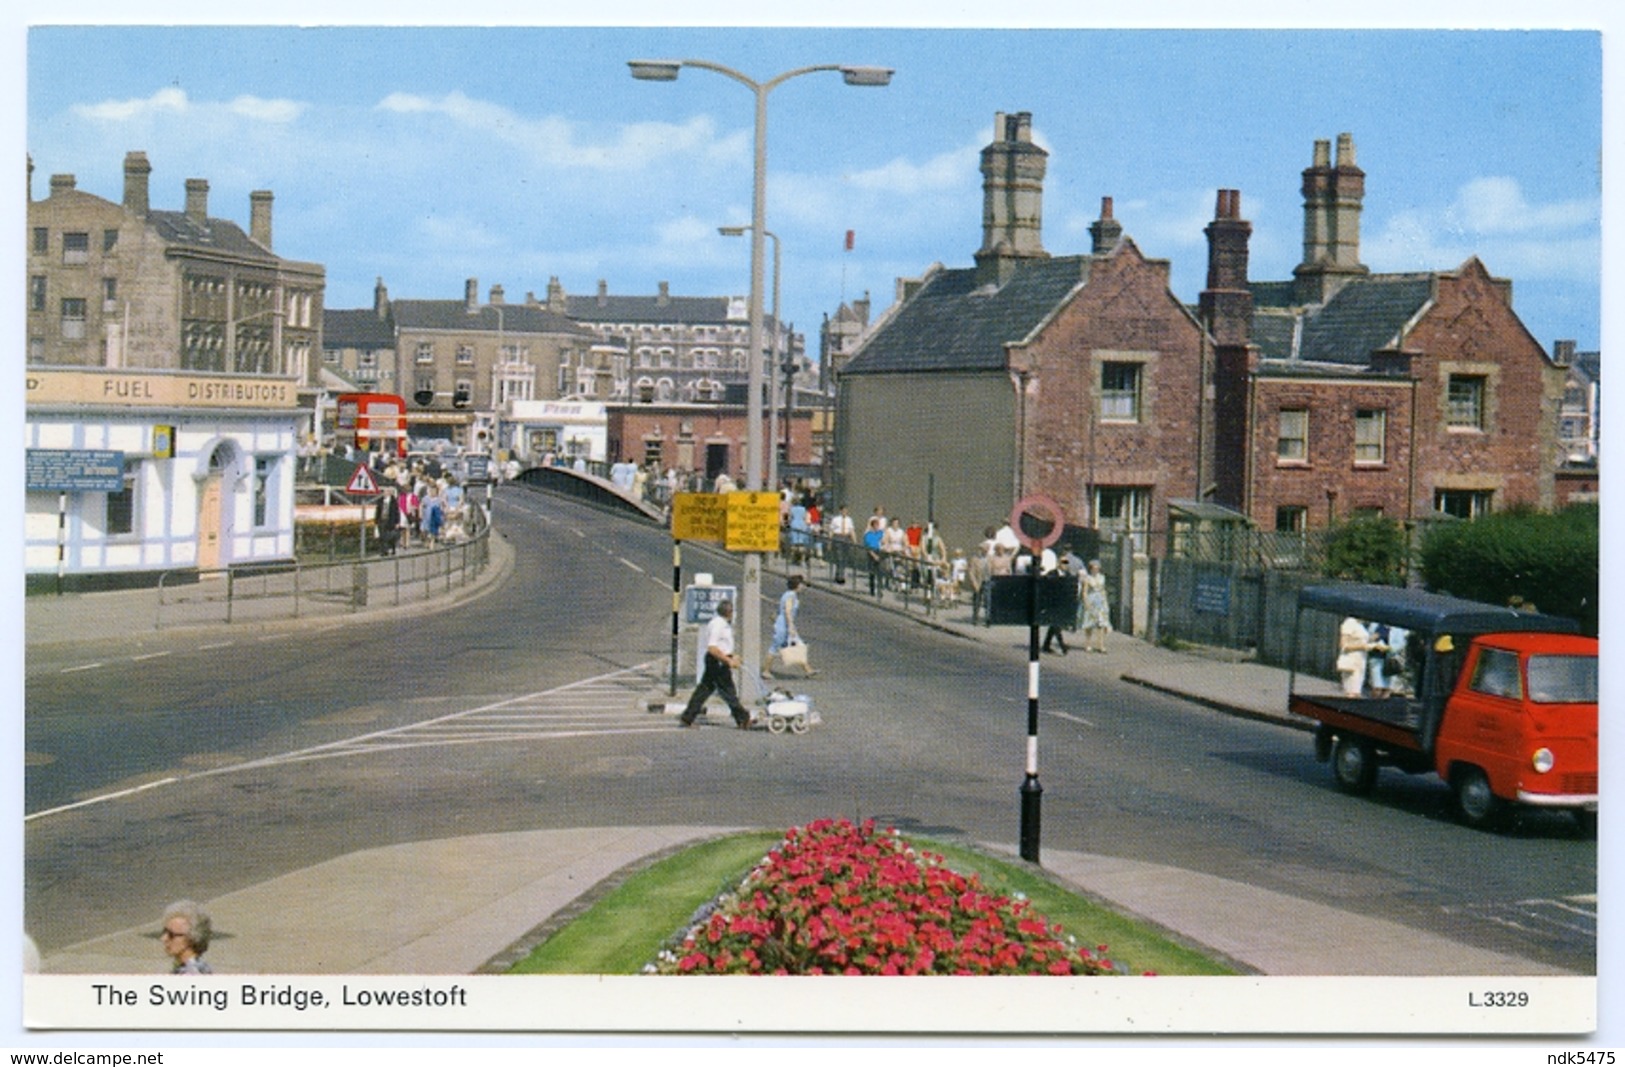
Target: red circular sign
<point>1037,521</point>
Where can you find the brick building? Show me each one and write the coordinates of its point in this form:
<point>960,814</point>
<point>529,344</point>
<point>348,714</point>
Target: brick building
<point>1078,377</point>
<point>1297,403</point>
<point>1344,393</point>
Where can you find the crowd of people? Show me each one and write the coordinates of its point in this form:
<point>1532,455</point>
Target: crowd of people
<point>420,507</point>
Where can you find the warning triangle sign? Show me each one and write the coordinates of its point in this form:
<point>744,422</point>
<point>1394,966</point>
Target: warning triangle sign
<point>362,481</point>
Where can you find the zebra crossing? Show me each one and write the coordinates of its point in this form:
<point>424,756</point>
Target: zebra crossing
<point>612,703</point>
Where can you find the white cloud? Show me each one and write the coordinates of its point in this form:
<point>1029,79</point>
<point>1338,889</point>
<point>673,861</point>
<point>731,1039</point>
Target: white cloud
<point>556,142</point>
<point>1492,219</point>
<point>164,101</point>
<point>901,177</point>
<point>174,103</point>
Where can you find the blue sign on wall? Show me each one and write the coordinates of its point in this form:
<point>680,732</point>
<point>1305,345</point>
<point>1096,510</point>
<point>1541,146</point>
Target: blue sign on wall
<point>75,470</point>
<point>1213,594</point>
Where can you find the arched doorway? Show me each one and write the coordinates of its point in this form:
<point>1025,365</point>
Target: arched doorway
<point>215,511</point>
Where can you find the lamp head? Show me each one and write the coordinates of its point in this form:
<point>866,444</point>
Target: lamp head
<point>654,70</point>
<point>733,231</point>
<point>863,75</point>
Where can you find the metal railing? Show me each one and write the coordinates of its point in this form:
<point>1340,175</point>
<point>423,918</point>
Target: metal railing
<point>293,589</point>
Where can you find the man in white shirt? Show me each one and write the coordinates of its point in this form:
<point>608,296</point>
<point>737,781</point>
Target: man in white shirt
<point>842,536</point>
<point>720,662</point>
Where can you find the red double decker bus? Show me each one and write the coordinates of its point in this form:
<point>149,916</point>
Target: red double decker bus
<point>372,422</point>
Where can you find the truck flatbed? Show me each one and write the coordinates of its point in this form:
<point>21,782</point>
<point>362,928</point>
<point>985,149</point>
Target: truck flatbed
<point>1395,719</point>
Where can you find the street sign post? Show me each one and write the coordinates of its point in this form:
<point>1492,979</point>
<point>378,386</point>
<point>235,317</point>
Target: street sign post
<point>1038,521</point>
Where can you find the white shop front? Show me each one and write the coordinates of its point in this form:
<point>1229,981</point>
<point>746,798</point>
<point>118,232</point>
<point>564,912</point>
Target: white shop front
<point>132,472</point>
<point>563,428</point>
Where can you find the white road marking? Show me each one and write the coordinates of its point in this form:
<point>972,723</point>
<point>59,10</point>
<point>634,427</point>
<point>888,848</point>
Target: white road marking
<point>82,667</point>
<point>149,655</point>
<point>606,704</point>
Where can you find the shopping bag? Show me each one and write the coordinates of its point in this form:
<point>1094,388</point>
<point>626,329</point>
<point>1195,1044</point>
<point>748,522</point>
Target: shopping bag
<point>795,656</point>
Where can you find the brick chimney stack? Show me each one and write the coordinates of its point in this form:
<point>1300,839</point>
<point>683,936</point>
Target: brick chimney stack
<point>471,296</point>
<point>259,217</point>
<point>555,296</point>
<point>62,183</point>
<point>1333,197</point>
<point>1105,231</point>
<point>197,200</point>
<point>380,300</point>
<point>1012,198</point>
<point>136,170</point>
<point>1227,303</point>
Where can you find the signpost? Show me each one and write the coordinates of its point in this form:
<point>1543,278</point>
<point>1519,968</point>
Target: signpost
<point>1038,522</point>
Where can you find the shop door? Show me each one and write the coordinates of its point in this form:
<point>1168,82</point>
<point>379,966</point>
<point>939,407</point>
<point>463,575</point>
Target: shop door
<point>716,461</point>
<point>208,523</point>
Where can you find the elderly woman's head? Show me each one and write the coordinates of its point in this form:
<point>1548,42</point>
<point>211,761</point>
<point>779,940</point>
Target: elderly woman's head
<point>186,929</point>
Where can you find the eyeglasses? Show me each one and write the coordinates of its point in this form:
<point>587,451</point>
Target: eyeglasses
<point>165,935</point>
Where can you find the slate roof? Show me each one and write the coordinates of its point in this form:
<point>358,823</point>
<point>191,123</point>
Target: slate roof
<point>953,324</point>
<point>676,309</point>
<point>356,328</point>
<point>454,315</point>
<point>1365,315</point>
<point>218,235</point>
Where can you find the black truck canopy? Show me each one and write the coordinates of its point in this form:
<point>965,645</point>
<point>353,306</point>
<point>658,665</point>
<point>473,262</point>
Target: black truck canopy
<point>1423,612</point>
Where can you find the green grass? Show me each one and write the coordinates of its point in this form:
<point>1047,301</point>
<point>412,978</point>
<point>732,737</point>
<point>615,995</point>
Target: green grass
<point>622,931</point>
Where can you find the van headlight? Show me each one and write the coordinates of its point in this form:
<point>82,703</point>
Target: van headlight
<point>1543,760</point>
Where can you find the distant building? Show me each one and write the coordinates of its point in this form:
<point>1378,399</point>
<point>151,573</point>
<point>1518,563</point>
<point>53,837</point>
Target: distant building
<point>681,349</point>
<point>461,364</point>
<point>174,351</point>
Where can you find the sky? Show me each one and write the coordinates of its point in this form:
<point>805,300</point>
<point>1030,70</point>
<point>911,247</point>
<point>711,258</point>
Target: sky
<point>427,155</point>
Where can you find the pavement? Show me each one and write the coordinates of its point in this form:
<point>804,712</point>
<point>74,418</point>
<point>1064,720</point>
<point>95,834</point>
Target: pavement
<point>466,905</point>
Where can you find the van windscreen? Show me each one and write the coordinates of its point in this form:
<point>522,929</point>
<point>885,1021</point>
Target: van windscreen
<point>1563,679</point>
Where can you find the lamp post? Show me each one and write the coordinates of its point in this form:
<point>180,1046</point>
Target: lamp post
<point>665,70</point>
<point>773,396</point>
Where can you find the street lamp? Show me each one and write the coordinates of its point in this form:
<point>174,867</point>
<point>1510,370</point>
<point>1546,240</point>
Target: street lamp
<point>773,397</point>
<point>666,70</point>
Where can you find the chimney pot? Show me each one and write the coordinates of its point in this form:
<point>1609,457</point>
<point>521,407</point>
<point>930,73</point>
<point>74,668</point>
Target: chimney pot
<point>1105,207</point>
<point>1345,150</point>
<point>1323,154</point>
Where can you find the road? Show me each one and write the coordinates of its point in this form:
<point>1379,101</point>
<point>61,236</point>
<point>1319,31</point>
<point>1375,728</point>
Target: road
<point>522,709</point>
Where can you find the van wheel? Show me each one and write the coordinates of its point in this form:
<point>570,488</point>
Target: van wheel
<point>1354,765</point>
<point>1476,804</point>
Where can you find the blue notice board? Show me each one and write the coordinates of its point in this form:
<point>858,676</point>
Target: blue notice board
<point>75,470</point>
<point>700,601</point>
<point>1213,594</point>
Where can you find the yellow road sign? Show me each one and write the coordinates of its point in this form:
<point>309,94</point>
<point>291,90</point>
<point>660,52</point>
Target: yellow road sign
<point>753,522</point>
<point>699,517</point>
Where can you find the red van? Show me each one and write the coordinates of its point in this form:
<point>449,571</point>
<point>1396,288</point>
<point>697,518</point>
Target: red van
<point>1500,704</point>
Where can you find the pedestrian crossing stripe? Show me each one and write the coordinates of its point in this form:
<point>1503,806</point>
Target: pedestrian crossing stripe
<point>362,481</point>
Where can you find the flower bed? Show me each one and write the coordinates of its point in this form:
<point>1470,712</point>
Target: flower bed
<point>836,898</point>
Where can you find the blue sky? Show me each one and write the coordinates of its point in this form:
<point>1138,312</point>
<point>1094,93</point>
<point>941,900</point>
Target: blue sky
<point>426,155</point>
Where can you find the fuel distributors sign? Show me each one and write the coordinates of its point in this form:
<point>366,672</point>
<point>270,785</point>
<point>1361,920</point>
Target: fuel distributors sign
<point>740,522</point>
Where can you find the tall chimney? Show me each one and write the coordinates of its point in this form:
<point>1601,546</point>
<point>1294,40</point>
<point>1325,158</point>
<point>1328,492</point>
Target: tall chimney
<point>62,183</point>
<point>136,169</point>
<point>1012,198</point>
<point>380,299</point>
<point>555,296</point>
<point>665,294</point>
<point>259,217</point>
<point>1227,303</point>
<point>471,296</point>
<point>1105,231</point>
<point>1332,200</point>
<point>497,295</point>
<point>197,200</point>
<point>603,292</point>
